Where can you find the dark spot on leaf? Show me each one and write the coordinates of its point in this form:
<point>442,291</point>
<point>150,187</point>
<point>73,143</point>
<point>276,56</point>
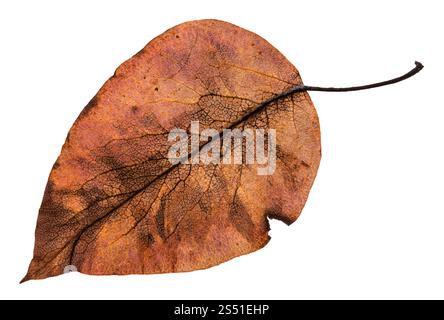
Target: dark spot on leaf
<point>160,221</point>
<point>150,239</point>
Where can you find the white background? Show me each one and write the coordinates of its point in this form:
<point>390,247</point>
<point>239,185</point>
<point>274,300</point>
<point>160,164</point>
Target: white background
<point>373,226</point>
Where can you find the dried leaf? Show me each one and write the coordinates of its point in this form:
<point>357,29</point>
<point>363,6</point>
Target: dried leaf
<point>115,204</point>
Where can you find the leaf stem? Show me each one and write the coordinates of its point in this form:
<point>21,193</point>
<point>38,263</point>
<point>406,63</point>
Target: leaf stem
<point>415,70</point>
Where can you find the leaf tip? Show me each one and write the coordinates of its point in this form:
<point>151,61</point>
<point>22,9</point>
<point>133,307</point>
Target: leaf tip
<point>25,278</point>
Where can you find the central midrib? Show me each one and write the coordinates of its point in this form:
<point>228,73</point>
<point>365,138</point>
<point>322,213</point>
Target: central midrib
<point>245,117</point>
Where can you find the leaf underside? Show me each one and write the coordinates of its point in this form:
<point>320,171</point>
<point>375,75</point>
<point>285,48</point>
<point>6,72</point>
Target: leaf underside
<point>114,204</point>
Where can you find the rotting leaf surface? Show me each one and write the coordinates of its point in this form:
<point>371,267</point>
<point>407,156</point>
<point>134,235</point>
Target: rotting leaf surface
<point>114,204</point>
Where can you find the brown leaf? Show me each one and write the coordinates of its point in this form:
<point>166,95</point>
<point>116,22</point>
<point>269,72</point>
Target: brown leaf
<point>114,204</point>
